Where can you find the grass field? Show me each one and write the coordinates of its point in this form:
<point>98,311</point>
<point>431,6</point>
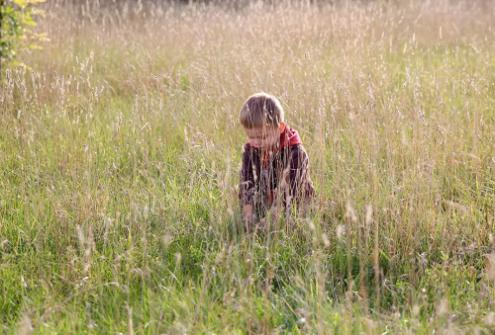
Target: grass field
<point>120,149</point>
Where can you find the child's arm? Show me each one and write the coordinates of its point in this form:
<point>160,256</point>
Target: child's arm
<point>300,187</point>
<point>247,213</point>
<point>246,186</point>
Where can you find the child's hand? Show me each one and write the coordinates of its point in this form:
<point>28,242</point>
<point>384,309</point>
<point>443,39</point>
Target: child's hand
<point>247,215</point>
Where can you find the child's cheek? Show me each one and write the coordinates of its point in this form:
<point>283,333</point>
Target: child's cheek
<point>254,143</point>
<point>270,141</point>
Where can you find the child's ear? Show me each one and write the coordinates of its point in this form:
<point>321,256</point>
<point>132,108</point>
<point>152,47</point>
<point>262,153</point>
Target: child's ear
<point>281,126</point>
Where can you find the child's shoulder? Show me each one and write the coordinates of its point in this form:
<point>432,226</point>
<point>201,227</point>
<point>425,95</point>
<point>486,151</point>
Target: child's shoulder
<point>247,147</point>
<point>297,151</point>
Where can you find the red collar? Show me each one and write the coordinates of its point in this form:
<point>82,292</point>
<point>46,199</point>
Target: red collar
<point>288,136</point>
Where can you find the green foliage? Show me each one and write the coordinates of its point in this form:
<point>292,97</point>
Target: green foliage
<point>119,160</point>
<point>17,23</point>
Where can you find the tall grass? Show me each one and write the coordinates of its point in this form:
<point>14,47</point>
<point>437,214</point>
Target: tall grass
<point>120,149</point>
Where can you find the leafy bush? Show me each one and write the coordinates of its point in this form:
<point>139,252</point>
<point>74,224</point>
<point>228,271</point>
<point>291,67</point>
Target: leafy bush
<point>17,23</point>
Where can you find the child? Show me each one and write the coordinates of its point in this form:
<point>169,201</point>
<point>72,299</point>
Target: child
<point>274,169</point>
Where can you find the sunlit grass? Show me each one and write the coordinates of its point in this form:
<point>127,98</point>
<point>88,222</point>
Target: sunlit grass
<point>119,157</point>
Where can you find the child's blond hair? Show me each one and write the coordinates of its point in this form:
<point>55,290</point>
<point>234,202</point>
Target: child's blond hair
<point>261,109</point>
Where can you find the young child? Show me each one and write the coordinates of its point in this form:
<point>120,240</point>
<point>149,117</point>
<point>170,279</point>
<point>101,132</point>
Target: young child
<point>274,169</point>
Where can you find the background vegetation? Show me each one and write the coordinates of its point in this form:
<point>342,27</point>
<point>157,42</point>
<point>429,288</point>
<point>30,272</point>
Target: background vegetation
<point>17,22</point>
<point>120,148</point>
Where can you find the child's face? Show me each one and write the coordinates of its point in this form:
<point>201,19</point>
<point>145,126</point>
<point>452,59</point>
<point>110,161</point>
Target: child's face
<point>263,137</point>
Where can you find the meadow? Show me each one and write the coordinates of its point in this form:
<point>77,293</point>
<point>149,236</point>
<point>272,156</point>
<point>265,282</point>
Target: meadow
<point>120,150</point>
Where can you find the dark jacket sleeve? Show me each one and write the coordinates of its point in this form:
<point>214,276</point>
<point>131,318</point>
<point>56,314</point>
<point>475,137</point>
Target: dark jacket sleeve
<point>300,185</point>
<point>246,184</point>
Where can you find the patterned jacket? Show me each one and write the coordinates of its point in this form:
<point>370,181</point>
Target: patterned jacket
<point>279,178</point>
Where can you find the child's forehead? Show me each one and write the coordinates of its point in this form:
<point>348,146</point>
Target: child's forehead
<point>261,129</point>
